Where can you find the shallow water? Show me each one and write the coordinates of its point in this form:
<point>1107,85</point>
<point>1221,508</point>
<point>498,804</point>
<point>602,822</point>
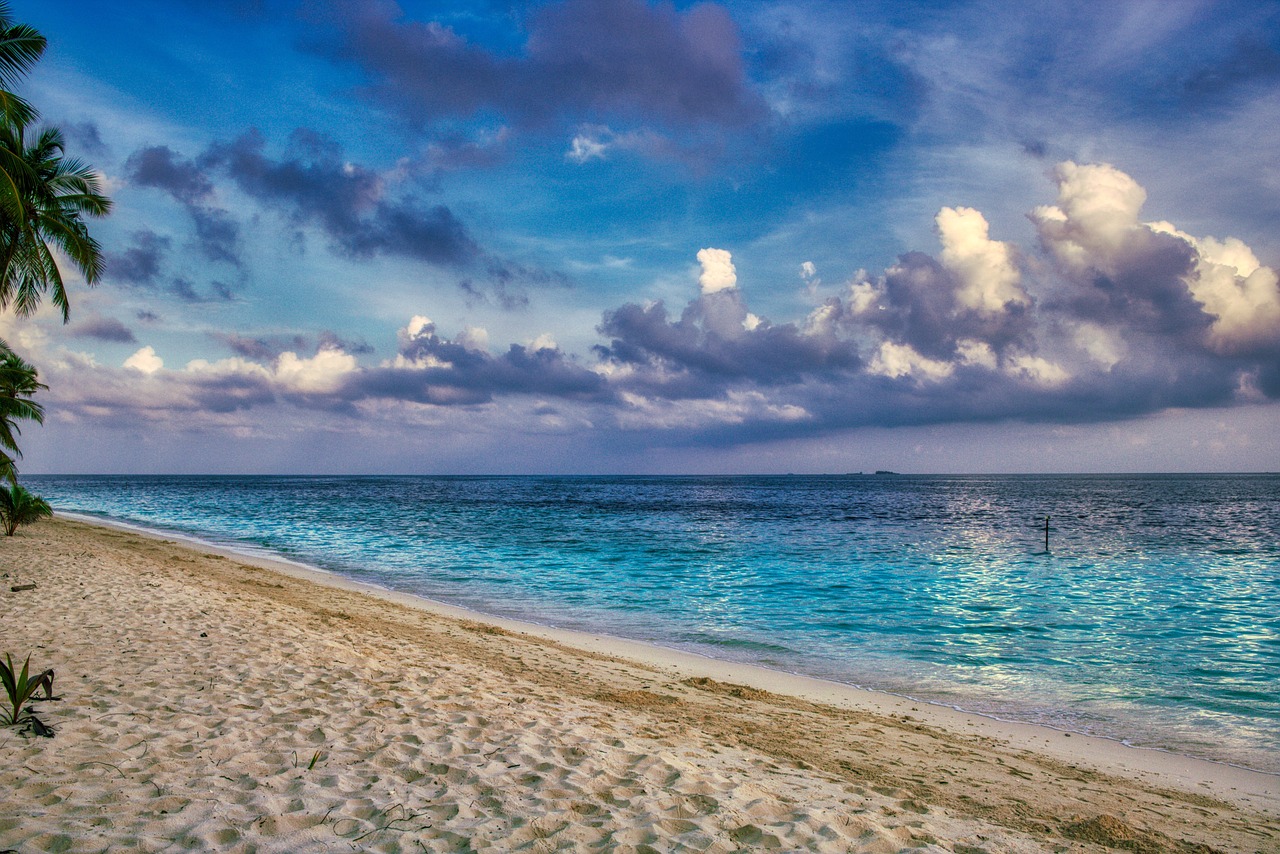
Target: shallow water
<point>1153,618</point>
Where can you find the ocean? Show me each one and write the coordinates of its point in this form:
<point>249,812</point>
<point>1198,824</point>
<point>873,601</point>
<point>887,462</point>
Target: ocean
<point>1153,618</point>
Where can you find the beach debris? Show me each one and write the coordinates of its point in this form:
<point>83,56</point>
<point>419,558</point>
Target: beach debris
<point>35,726</point>
<point>18,588</point>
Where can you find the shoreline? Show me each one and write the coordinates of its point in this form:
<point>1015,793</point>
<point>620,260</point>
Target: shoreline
<point>219,702</point>
<point>1109,755</point>
<point>762,676</point>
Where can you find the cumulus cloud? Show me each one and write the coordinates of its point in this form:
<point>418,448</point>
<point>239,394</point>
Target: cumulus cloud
<point>1153,276</point>
<point>1232,286</point>
<point>145,361</point>
<point>900,360</point>
<point>1114,318</point>
<point>988,280</point>
<point>323,373</point>
<point>718,272</point>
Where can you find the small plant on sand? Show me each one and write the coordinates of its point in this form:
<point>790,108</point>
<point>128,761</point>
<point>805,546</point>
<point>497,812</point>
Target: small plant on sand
<point>19,506</point>
<point>20,689</point>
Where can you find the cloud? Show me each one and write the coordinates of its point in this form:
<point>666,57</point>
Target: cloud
<point>1152,277</point>
<point>900,360</point>
<point>582,59</point>
<point>139,264</point>
<point>1240,293</point>
<point>85,136</point>
<point>323,373</point>
<point>188,182</point>
<point>160,167</point>
<point>584,148</point>
<point>1109,318</point>
<point>989,281</point>
<point>718,272</point>
<point>351,204</point>
<point>429,368</point>
<point>103,329</point>
<point>145,361</point>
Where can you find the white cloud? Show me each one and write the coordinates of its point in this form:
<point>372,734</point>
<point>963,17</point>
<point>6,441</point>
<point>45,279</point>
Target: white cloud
<point>1096,215</point>
<point>419,325</point>
<point>718,273</point>
<point>228,367</point>
<point>584,148</point>
<point>474,338</point>
<point>736,407</point>
<point>976,353</point>
<point>989,279</point>
<point>863,295</point>
<point>1097,219</point>
<point>321,374</point>
<point>1037,369</point>
<point>145,361</point>
<point>1235,288</point>
<point>902,360</point>
<point>542,342</point>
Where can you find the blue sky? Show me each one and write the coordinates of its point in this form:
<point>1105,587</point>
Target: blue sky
<point>619,236</point>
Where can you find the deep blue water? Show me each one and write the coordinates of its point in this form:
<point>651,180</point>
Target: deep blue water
<point>1154,618</point>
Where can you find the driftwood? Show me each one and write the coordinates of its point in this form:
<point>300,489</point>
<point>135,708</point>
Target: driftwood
<point>18,588</point>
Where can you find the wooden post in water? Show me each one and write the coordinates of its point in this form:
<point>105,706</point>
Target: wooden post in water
<point>1046,534</point>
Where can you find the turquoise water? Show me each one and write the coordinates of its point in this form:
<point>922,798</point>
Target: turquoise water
<point>1154,618</point>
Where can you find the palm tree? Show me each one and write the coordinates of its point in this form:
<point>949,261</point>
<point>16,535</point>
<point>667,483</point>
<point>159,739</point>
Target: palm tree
<point>18,381</point>
<point>20,48</point>
<point>55,194</point>
<point>19,506</point>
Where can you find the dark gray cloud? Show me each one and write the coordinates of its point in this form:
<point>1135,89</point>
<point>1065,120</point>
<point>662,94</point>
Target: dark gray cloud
<point>582,59</point>
<point>186,290</point>
<point>920,307</point>
<point>188,182</point>
<point>350,203</point>
<point>265,348</point>
<point>709,348</point>
<point>141,263</point>
<point>361,212</point>
<point>327,339</point>
<point>160,167</point>
<point>1143,283</point>
<point>104,329</point>
<point>84,136</point>
<point>432,369</point>
<point>262,348</point>
<point>218,235</point>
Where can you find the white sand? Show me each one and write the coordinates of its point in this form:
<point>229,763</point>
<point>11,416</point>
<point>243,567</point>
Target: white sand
<point>197,689</point>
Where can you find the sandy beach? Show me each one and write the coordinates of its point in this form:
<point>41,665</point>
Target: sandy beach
<point>212,702</point>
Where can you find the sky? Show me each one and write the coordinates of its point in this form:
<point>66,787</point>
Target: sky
<point>617,236</point>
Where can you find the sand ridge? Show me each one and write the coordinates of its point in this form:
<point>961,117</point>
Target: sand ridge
<point>213,704</point>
